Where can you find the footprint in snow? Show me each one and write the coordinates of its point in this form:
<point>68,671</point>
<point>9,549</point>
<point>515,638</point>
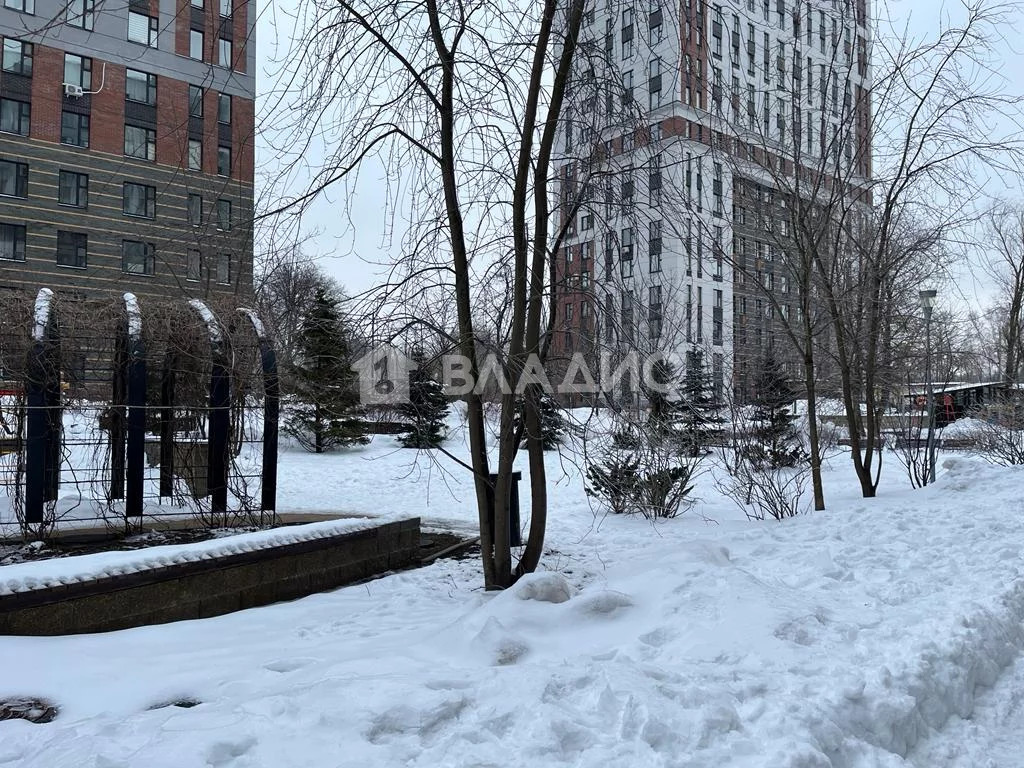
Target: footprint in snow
<point>288,665</point>
<point>225,752</point>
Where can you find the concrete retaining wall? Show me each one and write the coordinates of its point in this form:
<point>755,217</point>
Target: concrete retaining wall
<point>197,590</point>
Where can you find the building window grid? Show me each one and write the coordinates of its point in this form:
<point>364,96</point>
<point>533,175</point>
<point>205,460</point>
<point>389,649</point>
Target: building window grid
<point>193,265</point>
<point>15,116</point>
<point>195,210</point>
<point>78,71</point>
<point>74,129</point>
<point>73,189</point>
<point>12,242</point>
<point>138,258</point>
<point>139,200</point>
<point>72,249</point>
<point>17,57</point>
<point>81,13</point>
<point>13,178</point>
<point>140,87</point>
<point>143,29</point>
<point>140,142</point>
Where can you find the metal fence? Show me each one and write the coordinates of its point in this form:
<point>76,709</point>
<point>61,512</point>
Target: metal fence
<point>115,410</point>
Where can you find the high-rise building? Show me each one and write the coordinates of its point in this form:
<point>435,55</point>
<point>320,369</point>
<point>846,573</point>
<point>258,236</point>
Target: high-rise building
<point>127,147</point>
<point>690,128</point>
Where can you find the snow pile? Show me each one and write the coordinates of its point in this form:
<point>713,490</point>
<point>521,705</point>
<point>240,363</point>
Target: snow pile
<point>39,574</point>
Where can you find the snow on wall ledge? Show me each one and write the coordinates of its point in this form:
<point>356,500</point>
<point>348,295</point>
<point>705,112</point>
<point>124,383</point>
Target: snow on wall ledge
<point>226,577</point>
<point>45,574</point>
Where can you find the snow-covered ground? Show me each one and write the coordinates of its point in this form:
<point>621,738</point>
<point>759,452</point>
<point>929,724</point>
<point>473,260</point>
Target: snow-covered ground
<point>877,633</point>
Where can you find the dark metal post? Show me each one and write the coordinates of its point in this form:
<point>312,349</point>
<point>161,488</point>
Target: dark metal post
<point>167,428</point>
<point>136,443</point>
<point>36,437</point>
<point>217,447</point>
<point>271,417</point>
<point>116,416</point>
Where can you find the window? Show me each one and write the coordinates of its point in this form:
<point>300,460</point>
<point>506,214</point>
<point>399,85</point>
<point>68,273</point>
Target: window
<point>193,265</point>
<point>654,312</point>
<point>654,82</point>
<point>72,249</point>
<point>25,6</point>
<point>224,109</point>
<point>224,215</point>
<point>14,116</point>
<point>13,179</point>
<point>142,29</point>
<point>195,210</point>
<point>224,268</point>
<point>195,101</point>
<point>78,71</point>
<point>195,44</point>
<point>224,52</point>
<point>140,87</point>
<point>223,161</point>
<point>654,247</point>
<point>197,3</point>
<point>139,200</point>
<point>18,57</point>
<point>137,258</point>
<point>225,7</point>
<point>12,242</point>
<point>195,155</point>
<point>74,129</point>
<point>73,189</point>
<point>140,142</point>
<point>81,13</point>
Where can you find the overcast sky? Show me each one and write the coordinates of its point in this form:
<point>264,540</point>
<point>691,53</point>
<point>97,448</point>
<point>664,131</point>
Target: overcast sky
<point>352,248</point>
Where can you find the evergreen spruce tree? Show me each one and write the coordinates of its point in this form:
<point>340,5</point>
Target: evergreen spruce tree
<point>663,399</point>
<point>699,417</point>
<point>778,443</point>
<point>426,410</point>
<point>552,423</point>
<point>326,412</point>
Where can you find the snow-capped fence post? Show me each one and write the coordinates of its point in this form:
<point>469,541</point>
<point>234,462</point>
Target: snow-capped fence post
<point>43,432</point>
<point>271,413</point>
<point>220,411</point>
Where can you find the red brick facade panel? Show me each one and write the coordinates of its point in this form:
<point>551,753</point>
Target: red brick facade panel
<point>47,74</point>
<point>243,139</point>
<point>107,120</point>
<point>182,27</point>
<point>172,117</point>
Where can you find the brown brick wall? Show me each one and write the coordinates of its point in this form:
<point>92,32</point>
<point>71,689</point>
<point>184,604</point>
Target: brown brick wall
<point>210,131</point>
<point>107,121</point>
<point>243,132</point>
<point>47,74</point>
<point>172,119</point>
<point>241,32</point>
<point>182,28</point>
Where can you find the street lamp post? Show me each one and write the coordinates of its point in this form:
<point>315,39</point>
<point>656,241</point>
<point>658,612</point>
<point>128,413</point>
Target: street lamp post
<point>927,303</point>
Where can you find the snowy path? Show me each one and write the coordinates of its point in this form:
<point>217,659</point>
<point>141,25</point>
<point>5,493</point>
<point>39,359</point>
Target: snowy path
<point>993,736</point>
<point>849,639</point>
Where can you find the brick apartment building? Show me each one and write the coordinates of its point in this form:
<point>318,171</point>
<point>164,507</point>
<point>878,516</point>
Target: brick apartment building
<point>672,223</point>
<point>126,147</point>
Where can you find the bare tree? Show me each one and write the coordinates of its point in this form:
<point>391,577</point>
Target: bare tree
<point>1005,264</point>
<point>461,104</point>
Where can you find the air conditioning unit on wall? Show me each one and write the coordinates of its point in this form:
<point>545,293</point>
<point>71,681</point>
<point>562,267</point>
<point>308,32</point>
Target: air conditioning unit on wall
<point>70,89</point>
